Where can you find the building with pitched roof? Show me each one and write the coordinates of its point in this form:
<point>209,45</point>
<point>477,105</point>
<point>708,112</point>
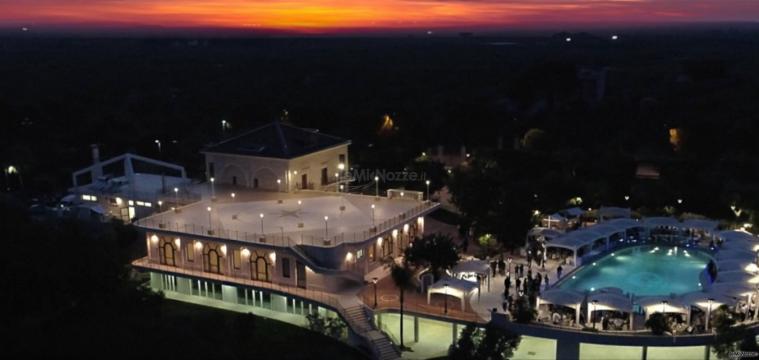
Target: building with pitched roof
<point>279,157</point>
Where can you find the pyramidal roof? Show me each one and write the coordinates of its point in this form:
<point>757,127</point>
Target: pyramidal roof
<point>277,140</point>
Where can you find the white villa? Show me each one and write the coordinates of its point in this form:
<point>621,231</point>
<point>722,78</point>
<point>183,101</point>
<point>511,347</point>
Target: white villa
<point>278,156</point>
<point>269,237</point>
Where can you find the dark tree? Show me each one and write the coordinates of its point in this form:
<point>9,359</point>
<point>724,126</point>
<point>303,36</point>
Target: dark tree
<point>437,251</point>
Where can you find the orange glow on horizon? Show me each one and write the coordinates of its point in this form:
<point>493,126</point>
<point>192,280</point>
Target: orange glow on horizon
<point>325,15</point>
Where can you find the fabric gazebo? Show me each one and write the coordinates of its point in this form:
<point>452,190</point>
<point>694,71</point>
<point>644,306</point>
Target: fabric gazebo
<point>569,298</point>
<point>472,268</point>
<point>457,288</point>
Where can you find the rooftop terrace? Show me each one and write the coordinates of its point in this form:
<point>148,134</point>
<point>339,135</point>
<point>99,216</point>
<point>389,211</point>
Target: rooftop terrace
<point>285,219</point>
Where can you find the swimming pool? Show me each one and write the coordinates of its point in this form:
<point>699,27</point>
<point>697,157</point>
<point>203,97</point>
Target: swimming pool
<point>642,270</point>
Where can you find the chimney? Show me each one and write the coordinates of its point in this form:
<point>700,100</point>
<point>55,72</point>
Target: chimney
<point>97,169</point>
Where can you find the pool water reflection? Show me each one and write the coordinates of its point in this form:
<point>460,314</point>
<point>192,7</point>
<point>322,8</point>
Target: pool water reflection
<point>643,270</point>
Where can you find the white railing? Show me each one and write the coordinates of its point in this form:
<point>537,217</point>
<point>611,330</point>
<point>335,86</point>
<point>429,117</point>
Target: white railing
<point>286,239</point>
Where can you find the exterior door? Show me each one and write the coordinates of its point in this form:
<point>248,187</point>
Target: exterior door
<point>300,271</point>
<point>304,181</point>
<point>325,178</point>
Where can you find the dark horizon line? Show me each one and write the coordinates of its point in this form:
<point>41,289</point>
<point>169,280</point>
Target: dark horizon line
<point>210,32</point>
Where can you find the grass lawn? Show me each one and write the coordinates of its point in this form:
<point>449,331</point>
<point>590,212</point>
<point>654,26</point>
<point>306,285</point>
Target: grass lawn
<point>249,336</point>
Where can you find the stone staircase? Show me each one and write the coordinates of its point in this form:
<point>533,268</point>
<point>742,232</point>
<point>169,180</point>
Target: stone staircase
<point>359,317</point>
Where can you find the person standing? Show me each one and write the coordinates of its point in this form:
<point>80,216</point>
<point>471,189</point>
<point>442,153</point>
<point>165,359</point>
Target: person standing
<point>545,280</point>
<point>558,272</point>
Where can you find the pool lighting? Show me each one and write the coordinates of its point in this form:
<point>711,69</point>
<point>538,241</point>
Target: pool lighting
<point>592,289</point>
<point>573,277</point>
<point>612,254</point>
<point>594,264</point>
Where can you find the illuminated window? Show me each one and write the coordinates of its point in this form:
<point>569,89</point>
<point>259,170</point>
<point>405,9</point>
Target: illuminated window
<point>190,252</point>
<point>359,254</point>
<point>167,252</point>
<point>259,267</point>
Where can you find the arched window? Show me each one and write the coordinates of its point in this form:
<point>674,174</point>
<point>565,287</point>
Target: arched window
<point>167,252</point>
<point>212,259</point>
<point>259,267</point>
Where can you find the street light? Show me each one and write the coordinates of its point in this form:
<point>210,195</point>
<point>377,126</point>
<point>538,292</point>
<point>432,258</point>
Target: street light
<point>261,215</point>
<point>210,223</point>
<point>428,189</point>
<point>279,182</point>
<point>627,197</point>
<point>176,197</point>
<point>213,188</point>
<point>326,227</point>
<point>373,214</point>
<point>160,156</point>
<point>376,186</point>
<point>224,126</point>
<point>445,299</point>
<point>374,281</point>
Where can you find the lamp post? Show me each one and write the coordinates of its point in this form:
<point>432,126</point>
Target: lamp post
<point>374,281</point>
<point>210,223</point>
<point>326,227</point>
<point>160,156</point>
<point>428,189</point>
<point>224,126</point>
<point>373,215</point>
<point>445,299</point>
<point>708,312</point>
<point>261,215</point>
<point>160,203</point>
<point>176,197</point>
<point>376,186</point>
<point>213,188</point>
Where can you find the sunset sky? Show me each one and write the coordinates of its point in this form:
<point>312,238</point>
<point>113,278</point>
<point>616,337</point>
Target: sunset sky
<point>340,15</point>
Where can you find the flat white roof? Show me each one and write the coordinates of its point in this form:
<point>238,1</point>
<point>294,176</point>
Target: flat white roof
<point>347,214</point>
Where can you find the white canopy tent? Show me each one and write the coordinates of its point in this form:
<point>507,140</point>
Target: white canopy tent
<point>607,212</point>
<point>736,276</point>
<point>734,289</point>
<point>624,223</point>
<point>663,304</point>
<point>660,221</point>
<point>608,299</point>
<point>731,265</point>
<point>457,288</point>
<point>569,298</point>
<point>735,254</point>
<point>706,301</point>
<point>735,235</point>
<point>705,225</point>
<point>472,269</point>
<point>573,212</point>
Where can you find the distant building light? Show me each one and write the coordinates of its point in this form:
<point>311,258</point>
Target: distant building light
<point>568,39</point>
<point>615,37</point>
